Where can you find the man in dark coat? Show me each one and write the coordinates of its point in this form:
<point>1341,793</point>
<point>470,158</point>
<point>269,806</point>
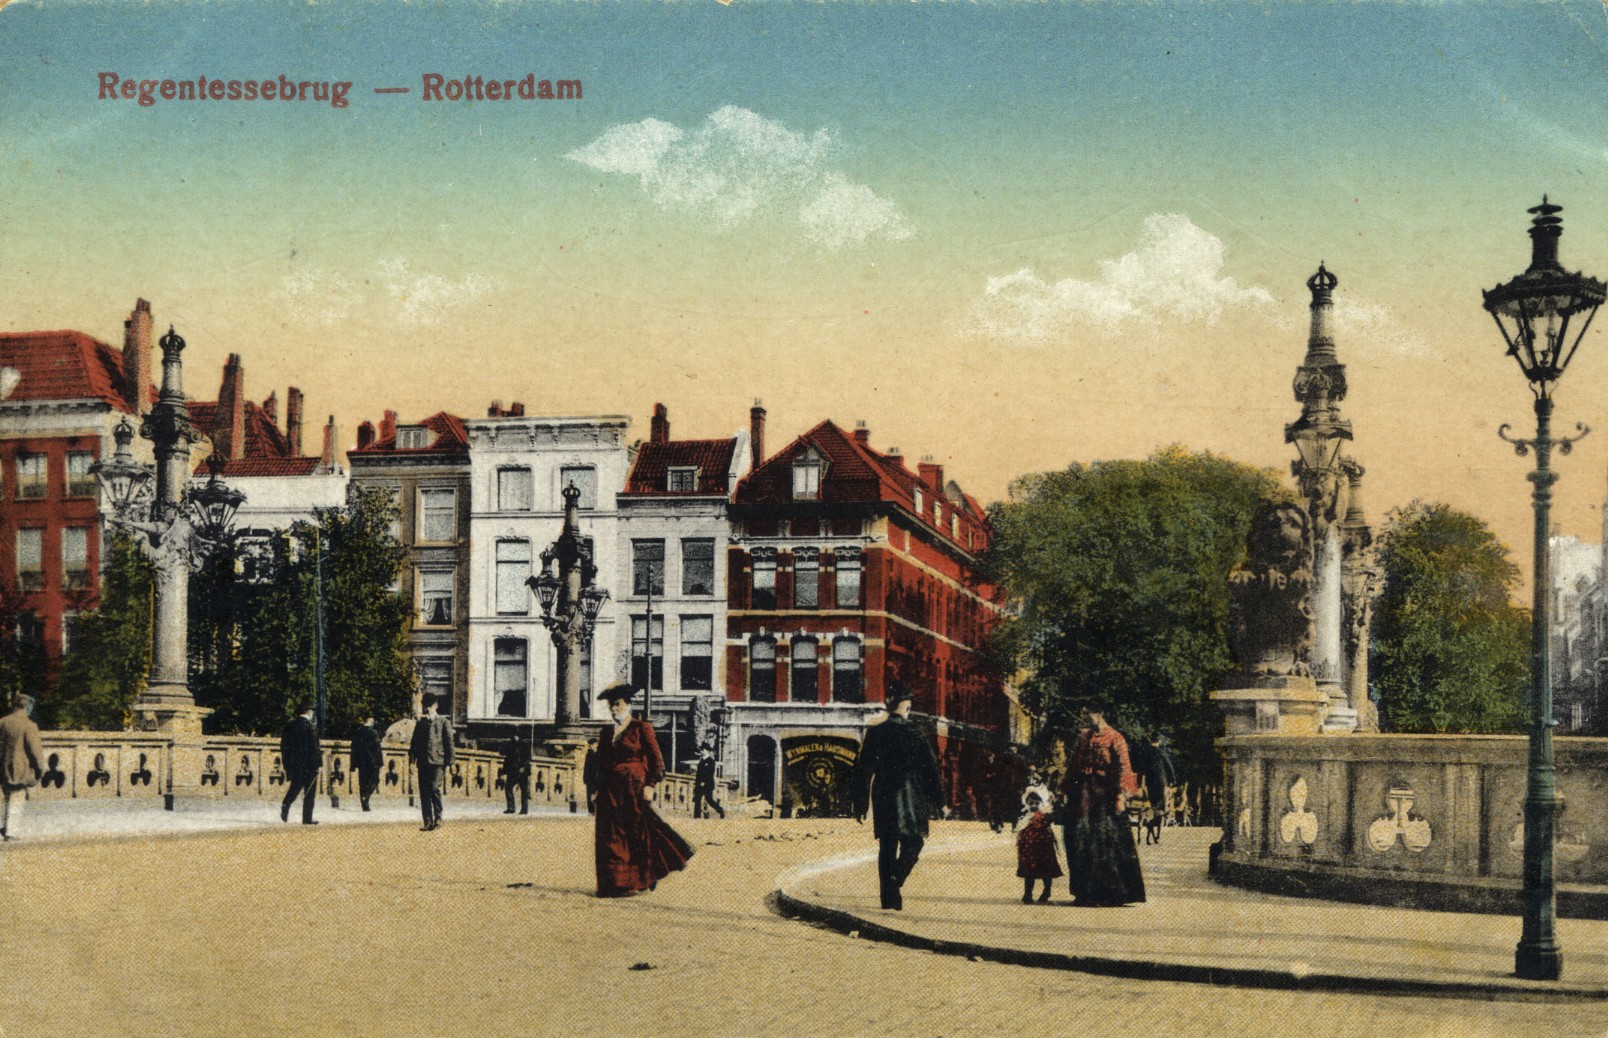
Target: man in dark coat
<point>516,774</point>
<point>302,757</point>
<point>897,776</point>
<point>432,752</point>
<point>367,760</point>
<point>703,783</point>
<point>20,754</point>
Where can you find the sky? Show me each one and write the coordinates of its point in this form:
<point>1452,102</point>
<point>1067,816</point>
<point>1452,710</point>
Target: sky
<point>1012,236</point>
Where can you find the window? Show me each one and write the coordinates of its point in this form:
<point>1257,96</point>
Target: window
<point>513,490</point>
<point>916,493</point>
<point>848,578</point>
<point>647,568</point>
<point>513,567</point>
<point>31,558</point>
<point>438,514</point>
<point>807,477</point>
<point>584,477</point>
<point>806,578</point>
<point>31,475</point>
<point>640,652</point>
<point>435,597</point>
<point>69,632</point>
<point>435,678</point>
<point>509,672</point>
<point>764,578</point>
<point>848,675</point>
<point>75,557</point>
<point>762,670</point>
<point>805,680</point>
<point>80,482</point>
<point>413,437</point>
<point>30,631</point>
<point>697,567</point>
<point>682,480</point>
<point>586,677</point>
<point>697,653</point>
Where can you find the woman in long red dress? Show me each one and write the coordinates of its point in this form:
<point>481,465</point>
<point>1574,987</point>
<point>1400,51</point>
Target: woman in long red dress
<point>1102,863</point>
<point>635,847</point>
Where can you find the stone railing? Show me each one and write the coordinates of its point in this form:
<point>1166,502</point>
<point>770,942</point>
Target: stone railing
<point>1425,820</point>
<point>133,766</point>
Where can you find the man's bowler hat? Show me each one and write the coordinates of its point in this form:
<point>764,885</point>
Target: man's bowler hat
<point>896,694</point>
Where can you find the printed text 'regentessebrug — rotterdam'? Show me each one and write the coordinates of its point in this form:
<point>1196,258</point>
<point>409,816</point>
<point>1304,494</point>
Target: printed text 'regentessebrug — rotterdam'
<point>335,93</point>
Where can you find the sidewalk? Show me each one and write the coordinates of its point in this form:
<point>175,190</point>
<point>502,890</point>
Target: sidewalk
<point>68,821</point>
<point>964,899</point>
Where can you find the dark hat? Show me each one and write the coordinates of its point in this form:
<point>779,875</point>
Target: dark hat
<point>618,690</point>
<point>705,746</point>
<point>896,694</point>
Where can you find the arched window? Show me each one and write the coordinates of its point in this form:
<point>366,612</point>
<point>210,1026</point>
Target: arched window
<point>806,578</point>
<point>764,562</point>
<point>805,678</point>
<point>762,670</point>
<point>848,671</point>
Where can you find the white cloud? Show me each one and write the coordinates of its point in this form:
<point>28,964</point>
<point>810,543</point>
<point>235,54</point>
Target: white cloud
<point>1175,272</point>
<point>328,297</point>
<point>1362,326</point>
<point>739,165</point>
<point>427,298</point>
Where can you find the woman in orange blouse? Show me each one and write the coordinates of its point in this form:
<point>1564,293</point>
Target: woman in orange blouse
<point>1102,863</point>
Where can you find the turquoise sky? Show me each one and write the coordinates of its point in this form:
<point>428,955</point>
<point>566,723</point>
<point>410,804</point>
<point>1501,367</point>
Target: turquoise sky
<point>829,245</point>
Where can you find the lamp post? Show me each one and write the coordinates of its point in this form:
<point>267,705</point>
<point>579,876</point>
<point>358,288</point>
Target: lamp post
<point>570,602</point>
<point>177,526</point>
<point>1543,315</point>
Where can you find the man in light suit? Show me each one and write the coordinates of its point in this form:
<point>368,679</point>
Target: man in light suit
<point>432,754</point>
<point>302,758</point>
<point>897,775</point>
<point>20,754</point>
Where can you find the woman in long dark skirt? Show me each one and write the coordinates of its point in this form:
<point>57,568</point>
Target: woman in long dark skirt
<point>1102,863</point>
<point>635,847</point>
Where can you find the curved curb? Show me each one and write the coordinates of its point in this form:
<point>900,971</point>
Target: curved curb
<point>1496,988</point>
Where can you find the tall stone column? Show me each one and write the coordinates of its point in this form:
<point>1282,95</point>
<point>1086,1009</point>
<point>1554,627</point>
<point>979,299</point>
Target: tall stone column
<point>1358,579</point>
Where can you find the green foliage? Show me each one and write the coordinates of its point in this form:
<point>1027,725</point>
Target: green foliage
<point>255,646</point>
<point>1450,649</point>
<point>110,654</point>
<point>1118,572</point>
<point>22,661</point>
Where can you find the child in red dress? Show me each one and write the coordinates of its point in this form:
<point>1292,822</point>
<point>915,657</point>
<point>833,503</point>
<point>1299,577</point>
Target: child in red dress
<point>1035,849</point>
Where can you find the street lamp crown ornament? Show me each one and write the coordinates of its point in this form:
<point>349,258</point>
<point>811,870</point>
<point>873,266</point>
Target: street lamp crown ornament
<point>1536,309</point>
<point>1322,281</point>
<point>172,344</point>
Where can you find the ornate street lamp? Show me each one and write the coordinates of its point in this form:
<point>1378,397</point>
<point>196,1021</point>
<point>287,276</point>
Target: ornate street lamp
<point>570,601</point>
<point>176,529</point>
<point>1543,315</point>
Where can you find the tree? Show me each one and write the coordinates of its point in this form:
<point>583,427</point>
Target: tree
<point>22,658</point>
<point>109,659</point>
<point>254,644</point>
<point>1118,575</point>
<point>1450,649</point>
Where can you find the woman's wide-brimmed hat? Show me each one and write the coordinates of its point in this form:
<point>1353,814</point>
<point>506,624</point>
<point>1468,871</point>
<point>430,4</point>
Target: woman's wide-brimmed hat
<point>618,690</point>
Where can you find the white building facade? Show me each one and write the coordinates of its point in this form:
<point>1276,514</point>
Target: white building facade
<point>518,468</point>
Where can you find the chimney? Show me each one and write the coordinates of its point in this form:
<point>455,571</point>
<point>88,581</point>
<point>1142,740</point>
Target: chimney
<point>229,425</point>
<point>293,409</point>
<point>327,462</point>
<point>388,426</point>
<point>495,410</point>
<point>516,410</point>
<point>862,434</point>
<point>365,435</point>
<point>661,425</point>
<point>932,473</point>
<point>756,431</point>
<point>270,407</point>
<point>137,357</point>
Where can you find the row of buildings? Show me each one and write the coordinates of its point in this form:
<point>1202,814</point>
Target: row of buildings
<point>767,599</point>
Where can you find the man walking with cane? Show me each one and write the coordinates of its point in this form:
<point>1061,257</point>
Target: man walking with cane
<point>897,776</point>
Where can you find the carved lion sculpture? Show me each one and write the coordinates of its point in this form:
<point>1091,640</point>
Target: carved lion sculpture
<point>1270,597</point>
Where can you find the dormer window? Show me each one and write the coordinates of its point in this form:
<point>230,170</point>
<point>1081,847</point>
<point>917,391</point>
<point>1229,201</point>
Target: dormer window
<point>807,477</point>
<point>919,501</point>
<point>412,437</point>
<point>682,479</point>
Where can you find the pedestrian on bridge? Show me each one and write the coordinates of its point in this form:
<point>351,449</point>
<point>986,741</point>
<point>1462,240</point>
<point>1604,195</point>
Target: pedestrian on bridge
<point>432,753</point>
<point>302,757</point>
<point>20,754</point>
<point>367,759</point>
<point>516,774</point>
<point>1102,863</point>
<point>896,775</point>
<point>635,848</point>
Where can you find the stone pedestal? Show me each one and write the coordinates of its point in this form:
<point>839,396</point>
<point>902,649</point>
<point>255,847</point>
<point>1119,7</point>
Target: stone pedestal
<point>168,710</point>
<point>1289,705</point>
<point>569,742</point>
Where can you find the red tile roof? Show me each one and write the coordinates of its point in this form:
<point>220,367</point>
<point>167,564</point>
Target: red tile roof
<point>266,452</point>
<point>450,436</point>
<point>854,473</point>
<point>712,459</point>
<point>266,467</point>
<point>64,365</point>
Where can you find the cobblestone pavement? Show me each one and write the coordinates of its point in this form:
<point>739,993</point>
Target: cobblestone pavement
<point>488,927</point>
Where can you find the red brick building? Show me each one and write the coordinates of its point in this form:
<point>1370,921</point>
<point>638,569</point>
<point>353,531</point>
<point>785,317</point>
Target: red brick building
<point>847,572</point>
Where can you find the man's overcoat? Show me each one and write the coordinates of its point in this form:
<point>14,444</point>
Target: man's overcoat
<point>898,776</point>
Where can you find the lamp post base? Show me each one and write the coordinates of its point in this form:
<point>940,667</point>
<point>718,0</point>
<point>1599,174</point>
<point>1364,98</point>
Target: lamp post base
<point>168,711</point>
<point>1538,961</point>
